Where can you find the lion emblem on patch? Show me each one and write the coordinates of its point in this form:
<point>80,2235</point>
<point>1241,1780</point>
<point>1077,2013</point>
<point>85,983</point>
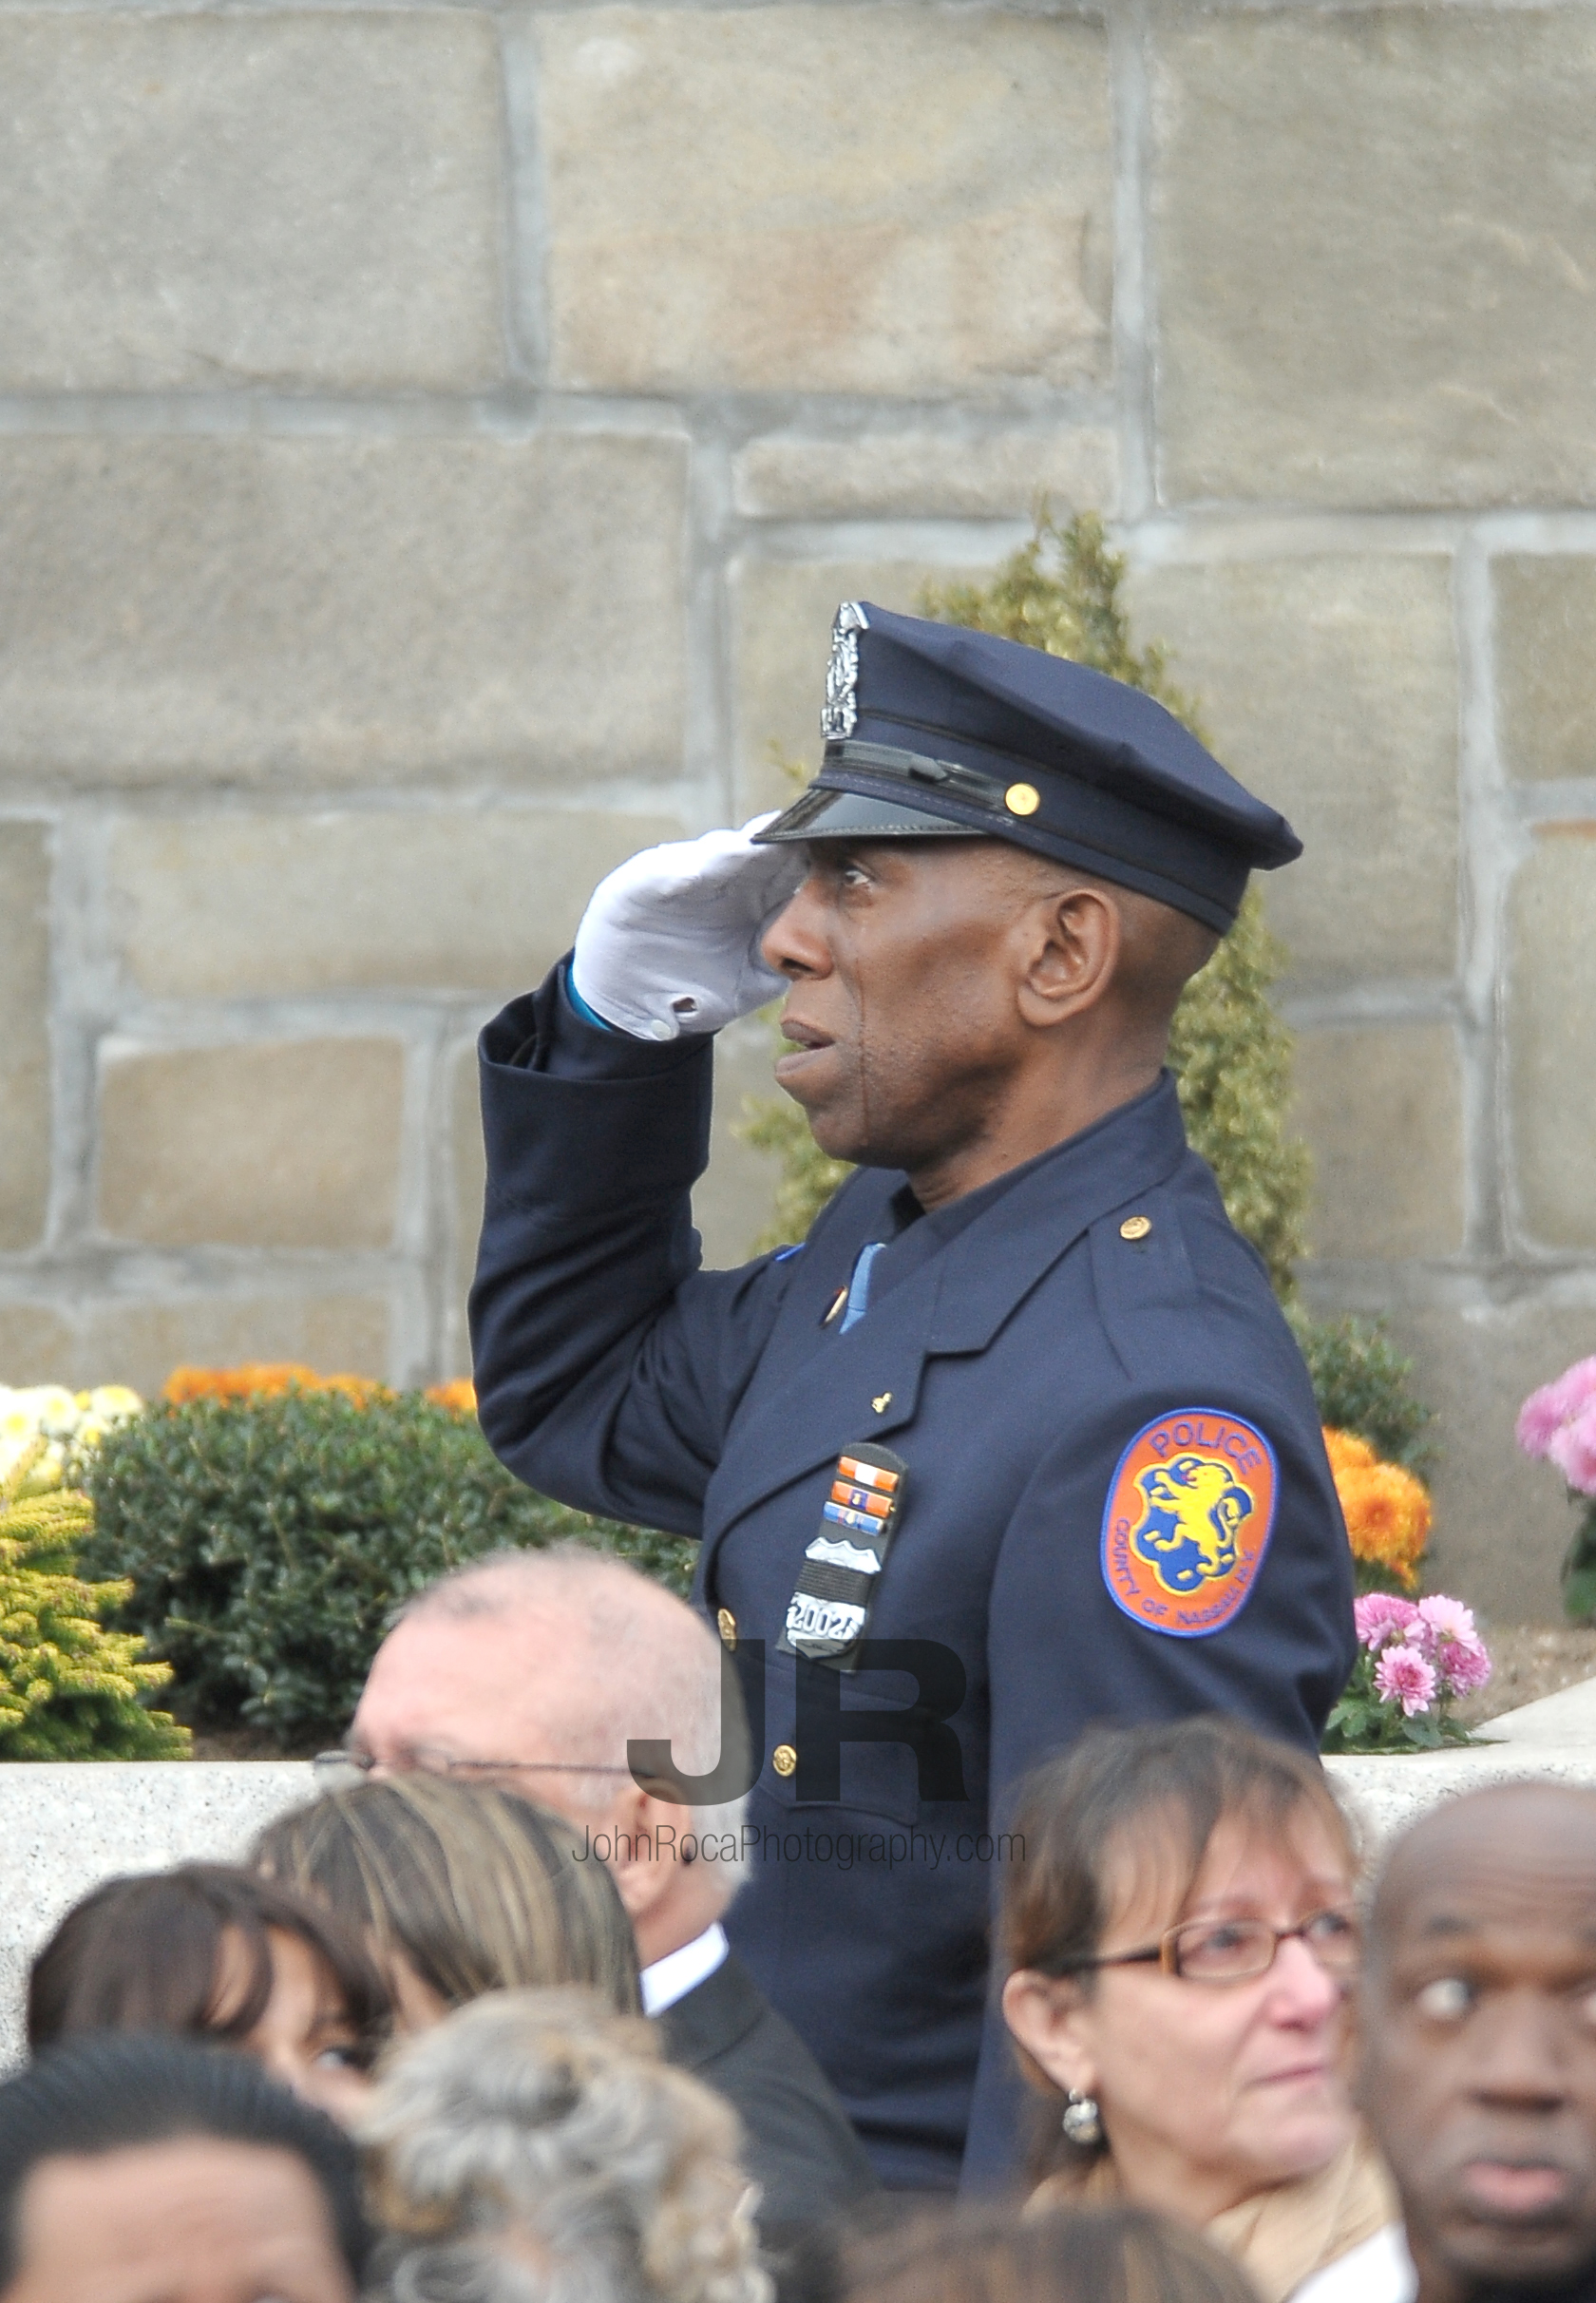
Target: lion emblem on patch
<point>1194,1509</point>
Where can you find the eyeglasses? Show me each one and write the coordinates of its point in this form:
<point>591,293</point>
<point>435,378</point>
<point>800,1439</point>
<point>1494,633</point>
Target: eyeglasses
<point>1231,1951</point>
<point>339,1770</point>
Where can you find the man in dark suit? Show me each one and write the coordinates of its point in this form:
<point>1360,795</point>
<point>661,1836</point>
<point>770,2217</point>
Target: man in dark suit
<point>536,1670</point>
<point>1019,1440</point>
<point>808,2163</point>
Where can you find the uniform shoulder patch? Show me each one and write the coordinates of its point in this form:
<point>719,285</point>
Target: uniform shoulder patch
<point>1190,1511</point>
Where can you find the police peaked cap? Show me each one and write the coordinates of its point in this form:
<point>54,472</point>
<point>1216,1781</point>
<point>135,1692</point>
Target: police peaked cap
<point>932,731</point>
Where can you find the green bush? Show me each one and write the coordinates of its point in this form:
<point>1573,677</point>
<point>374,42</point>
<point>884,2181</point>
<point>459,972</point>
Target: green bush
<point>1364,1384</point>
<point>69,1687</point>
<point>269,1540</point>
<point>1231,1058</point>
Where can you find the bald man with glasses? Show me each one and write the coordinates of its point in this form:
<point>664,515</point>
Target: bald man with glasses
<point>535,1670</point>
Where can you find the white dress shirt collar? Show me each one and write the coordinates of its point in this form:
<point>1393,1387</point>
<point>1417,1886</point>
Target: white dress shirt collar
<point>665,1981</point>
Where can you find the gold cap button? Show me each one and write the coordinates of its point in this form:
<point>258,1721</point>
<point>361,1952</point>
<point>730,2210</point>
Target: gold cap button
<point>1022,799</point>
<point>1136,1228</point>
<point>783,1758</point>
<point>727,1623</point>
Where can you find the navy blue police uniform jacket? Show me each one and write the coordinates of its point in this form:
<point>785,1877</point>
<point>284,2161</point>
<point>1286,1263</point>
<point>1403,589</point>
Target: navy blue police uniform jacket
<point>1115,1507</point>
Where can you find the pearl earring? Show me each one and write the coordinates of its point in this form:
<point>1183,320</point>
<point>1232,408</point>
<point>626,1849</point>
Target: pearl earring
<point>1083,2122</point>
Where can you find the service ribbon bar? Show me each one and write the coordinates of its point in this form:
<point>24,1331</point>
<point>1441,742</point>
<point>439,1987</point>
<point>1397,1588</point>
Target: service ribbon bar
<point>829,1610</point>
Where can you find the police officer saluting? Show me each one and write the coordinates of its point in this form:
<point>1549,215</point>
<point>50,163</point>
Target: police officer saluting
<point>1019,1440</point>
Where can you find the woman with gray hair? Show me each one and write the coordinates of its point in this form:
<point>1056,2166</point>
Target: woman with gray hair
<point>534,2148</point>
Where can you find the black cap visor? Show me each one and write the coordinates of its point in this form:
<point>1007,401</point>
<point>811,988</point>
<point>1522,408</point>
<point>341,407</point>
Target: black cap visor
<point>1173,858</point>
<point>824,814</point>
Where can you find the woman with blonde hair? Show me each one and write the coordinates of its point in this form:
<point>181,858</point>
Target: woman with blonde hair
<point>1181,1940</point>
<point>534,2148</point>
<point>459,1888</point>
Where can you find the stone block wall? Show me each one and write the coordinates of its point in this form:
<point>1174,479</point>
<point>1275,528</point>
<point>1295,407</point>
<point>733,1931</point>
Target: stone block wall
<point>434,441</point>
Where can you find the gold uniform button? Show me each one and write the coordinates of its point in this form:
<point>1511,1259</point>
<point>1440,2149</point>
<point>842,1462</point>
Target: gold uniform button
<point>783,1758</point>
<point>1022,799</point>
<point>1136,1228</point>
<point>727,1623</point>
<point>882,1402</point>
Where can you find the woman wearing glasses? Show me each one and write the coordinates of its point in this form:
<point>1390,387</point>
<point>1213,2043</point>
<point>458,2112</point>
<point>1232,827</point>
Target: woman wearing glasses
<point>1181,1944</point>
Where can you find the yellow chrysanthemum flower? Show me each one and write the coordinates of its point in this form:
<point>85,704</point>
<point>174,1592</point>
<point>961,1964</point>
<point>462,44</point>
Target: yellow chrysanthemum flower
<point>111,1404</point>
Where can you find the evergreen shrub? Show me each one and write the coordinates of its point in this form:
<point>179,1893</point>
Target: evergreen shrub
<point>1364,1384</point>
<point>268,1540</point>
<point>70,1689</point>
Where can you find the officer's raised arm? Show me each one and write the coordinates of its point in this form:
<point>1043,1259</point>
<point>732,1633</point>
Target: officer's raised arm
<point>595,1102</point>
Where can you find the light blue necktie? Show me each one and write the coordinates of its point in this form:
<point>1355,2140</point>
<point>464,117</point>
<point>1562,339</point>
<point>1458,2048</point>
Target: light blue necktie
<point>859,1286</point>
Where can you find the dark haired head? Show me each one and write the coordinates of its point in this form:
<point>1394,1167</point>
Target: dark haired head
<point>95,2096</point>
<point>146,1954</point>
<point>1109,2254</point>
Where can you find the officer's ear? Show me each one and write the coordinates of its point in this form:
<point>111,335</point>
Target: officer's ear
<point>1050,2018</point>
<point>1072,956</point>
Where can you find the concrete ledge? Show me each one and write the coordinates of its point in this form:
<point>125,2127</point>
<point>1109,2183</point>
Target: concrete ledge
<point>1565,1720</point>
<point>1384,1795</point>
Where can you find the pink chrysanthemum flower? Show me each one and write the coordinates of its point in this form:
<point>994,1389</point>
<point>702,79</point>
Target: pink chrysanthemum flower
<point>1446,1636</point>
<point>1402,1676</point>
<point>1572,1448</point>
<point>1448,1618</point>
<point>1538,1419</point>
<point>1545,1411</point>
<point>1380,1617</point>
<point>1463,1664</point>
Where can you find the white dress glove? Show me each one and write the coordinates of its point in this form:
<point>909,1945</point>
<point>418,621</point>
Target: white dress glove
<point>670,941</point>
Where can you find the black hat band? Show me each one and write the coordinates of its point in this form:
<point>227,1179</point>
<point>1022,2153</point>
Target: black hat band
<point>1094,829</point>
<point>934,777</point>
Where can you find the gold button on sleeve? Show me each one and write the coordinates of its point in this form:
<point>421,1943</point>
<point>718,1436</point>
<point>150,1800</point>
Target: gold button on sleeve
<point>1136,1228</point>
<point>783,1758</point>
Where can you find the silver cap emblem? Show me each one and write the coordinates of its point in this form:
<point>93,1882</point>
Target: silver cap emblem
<point>840,716</point>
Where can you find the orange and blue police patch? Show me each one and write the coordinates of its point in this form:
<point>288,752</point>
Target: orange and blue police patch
<point>1190,1511</point>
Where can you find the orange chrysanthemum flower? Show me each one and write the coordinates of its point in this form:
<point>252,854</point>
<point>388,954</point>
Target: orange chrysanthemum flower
<point>1347,1452</point>
<point>265,1379</point>
<point>460,1397</point>
<point>1386,1510</point>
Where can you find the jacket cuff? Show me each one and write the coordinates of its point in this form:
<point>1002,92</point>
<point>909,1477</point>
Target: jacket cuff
<point>545,1031</point>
